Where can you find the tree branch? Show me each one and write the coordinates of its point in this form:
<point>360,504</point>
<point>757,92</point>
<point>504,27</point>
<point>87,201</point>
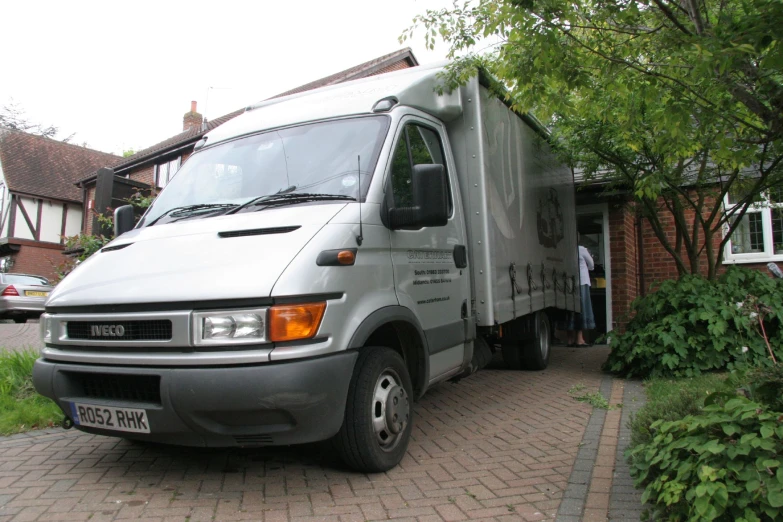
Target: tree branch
<point>671,16</point>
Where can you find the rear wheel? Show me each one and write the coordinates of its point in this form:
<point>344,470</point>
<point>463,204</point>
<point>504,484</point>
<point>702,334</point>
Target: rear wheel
<point>378,413</point>
<point>20,319</point>
<point>531,354</point>
<point>535,353</point>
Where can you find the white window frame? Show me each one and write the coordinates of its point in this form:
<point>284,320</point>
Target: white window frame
<point>174,161</point>
<point>764,208</point>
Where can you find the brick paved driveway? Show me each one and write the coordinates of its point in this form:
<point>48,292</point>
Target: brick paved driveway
<point>20,336</point>
<point>499,445</point>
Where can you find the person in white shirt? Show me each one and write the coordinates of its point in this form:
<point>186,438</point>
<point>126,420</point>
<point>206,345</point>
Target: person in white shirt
<point>586,320</point>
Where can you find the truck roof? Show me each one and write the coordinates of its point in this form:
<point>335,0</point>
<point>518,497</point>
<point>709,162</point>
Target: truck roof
<point>414,87</point>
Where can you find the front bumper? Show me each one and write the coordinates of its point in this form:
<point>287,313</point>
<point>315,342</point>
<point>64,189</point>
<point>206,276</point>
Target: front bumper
<point>273,404</point>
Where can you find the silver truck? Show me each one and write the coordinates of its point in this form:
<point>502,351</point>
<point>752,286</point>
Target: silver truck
<point>314,267</point>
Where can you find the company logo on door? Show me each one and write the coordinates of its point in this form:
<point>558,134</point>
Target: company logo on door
<point>430,256</point>
<point>107,330</point>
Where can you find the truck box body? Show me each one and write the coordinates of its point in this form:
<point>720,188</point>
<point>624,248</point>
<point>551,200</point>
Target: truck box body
<point>520,208</point>
<point>317,264</point>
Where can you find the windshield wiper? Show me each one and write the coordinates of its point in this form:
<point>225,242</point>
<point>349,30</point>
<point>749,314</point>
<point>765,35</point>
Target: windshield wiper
<point>187,209</point>
<point>295,197</point>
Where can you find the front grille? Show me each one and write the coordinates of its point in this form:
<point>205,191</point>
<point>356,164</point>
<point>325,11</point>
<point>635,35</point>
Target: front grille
<point>136,388</point>
<point>150,330</point>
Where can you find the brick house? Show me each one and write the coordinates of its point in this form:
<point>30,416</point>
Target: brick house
<point>155,165</point>
<point>631,260</point>
<point>39,203</point>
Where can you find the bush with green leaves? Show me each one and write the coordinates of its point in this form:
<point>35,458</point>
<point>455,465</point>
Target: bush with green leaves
<point>692,325</point>
<point>724,464</point>
<point>674,399</point>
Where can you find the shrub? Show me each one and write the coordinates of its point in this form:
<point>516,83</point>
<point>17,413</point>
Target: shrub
<point>670,400</point>
<point>693,325</point>
<point>765,385</point>
<point>721,465</point>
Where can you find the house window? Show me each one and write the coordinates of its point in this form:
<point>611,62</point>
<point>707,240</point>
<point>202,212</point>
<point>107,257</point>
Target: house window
<point>759,235</point>
<point>164,172</point>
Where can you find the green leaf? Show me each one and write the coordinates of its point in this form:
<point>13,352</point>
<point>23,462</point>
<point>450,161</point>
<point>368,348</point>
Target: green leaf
<point>775,498</point>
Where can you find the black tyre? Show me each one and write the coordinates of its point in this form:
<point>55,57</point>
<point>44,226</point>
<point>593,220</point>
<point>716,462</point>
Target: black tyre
<point>378,413</point>
<point>20,320</point>
<point>512,356</point>
<point>535,353</point>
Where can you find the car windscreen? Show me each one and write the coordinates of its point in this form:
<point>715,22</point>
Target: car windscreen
<point>13,279</point>
<point>327,157</point>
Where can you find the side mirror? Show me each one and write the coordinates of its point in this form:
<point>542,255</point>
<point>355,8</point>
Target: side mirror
<point>123,220</point>
<point>430,200</point>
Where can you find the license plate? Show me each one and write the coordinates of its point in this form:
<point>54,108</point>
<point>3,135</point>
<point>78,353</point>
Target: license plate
<point>110,418</point>
<point>33,293</point>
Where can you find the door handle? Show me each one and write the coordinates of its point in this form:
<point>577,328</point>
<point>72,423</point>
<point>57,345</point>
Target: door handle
<point>460,256</point>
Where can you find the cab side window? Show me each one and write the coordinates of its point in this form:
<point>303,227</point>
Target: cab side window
<point>417,145</point>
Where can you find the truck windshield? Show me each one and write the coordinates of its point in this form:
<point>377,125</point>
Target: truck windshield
<point>317,158</point>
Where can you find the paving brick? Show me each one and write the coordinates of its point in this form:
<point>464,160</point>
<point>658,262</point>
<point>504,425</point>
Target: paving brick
<point>501,445</point>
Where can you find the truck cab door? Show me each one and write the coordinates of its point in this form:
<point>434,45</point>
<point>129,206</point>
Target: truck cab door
<point>430,263</point>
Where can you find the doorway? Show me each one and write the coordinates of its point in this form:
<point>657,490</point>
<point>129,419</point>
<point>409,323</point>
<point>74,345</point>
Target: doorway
<point>592,223</point>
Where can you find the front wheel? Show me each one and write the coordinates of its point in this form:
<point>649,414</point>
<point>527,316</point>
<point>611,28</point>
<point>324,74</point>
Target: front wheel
<point>378,413</point>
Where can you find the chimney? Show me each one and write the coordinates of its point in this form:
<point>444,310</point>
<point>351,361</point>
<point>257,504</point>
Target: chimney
<point>191,119</point>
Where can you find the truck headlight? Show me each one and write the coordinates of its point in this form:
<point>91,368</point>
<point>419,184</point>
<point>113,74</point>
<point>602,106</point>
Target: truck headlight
<point>232,327</point>
<point>45,326</point>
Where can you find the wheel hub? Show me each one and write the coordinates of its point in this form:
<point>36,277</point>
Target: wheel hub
<point>397,410</point>
<point>390,409</point>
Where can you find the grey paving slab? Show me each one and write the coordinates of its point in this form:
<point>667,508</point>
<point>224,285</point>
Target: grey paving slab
<point>625,502</point>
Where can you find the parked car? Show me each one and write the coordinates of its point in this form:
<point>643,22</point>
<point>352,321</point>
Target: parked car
<point>22,296</point>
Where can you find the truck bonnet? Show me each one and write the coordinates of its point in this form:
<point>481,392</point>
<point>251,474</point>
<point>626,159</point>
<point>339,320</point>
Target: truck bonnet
<point>227,257</point>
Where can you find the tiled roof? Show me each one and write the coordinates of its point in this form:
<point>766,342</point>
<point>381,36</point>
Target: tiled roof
<point>359,71</point>
<point>45,167</point>
<point>375,66</point>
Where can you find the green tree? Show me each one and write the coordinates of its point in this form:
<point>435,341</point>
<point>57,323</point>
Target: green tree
<point>128,153</point>
<point>679,102</point>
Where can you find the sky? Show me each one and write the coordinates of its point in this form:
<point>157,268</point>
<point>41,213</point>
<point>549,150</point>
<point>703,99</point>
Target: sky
<point>121,75</point>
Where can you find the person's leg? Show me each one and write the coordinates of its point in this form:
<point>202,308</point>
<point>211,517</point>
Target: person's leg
<point>588,319</point>
<point>572,326</point>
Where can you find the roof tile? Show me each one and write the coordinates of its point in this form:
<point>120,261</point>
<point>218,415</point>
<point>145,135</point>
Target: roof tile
<point>45,167</point>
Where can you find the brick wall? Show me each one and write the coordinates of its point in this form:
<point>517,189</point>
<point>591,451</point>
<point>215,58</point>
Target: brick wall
<point>89,207</point>
<point>623,258</point>
<point>38,260</point>
<point>657,265</point>
<point>143,174</point>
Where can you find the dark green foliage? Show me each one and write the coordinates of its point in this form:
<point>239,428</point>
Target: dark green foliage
<point>670,400</point>
<point>766,386</point>
<point>721,465</point>
<point>692,325</point>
